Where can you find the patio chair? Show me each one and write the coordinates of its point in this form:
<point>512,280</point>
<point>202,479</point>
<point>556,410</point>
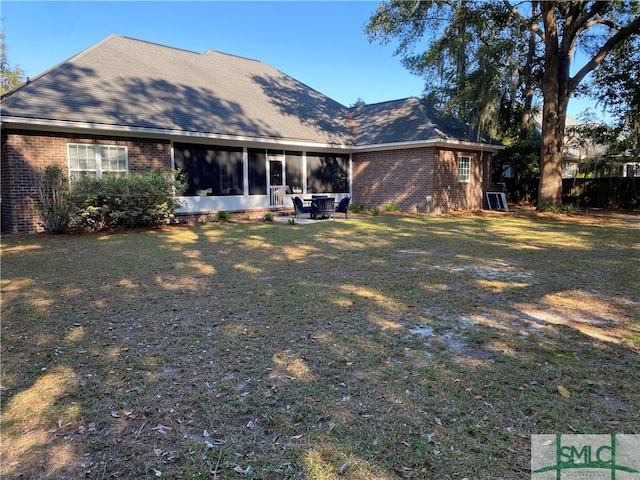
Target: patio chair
<point>299,207</point>
<point>323,207</point>
<point>343,206</point>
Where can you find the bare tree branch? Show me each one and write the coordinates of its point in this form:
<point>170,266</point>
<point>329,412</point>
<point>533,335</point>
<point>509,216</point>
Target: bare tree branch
<point>632,29</point>
<point>531,25</point>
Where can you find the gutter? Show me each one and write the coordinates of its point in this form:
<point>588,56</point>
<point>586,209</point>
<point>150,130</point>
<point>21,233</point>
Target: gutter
<point>226,139</point>
<point>436,142</point>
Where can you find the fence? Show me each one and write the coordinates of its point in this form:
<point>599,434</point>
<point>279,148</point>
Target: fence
<point>613,192</point>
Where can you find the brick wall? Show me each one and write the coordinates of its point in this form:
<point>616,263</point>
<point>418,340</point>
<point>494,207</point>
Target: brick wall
<point>26,152</point>
<point>423,180</point>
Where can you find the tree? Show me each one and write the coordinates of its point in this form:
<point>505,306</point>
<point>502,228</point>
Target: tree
<point>615,85</point>
<point>490,54</point>
<point>10,77</point>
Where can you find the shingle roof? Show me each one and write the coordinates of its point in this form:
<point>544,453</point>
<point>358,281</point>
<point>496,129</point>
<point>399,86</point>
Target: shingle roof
<point>126,82</point>
<point>123,82</point>
<point>409,120</point>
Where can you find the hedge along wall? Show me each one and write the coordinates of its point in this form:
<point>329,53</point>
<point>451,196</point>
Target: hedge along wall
<point>26,152</point>
<point>422,180</point>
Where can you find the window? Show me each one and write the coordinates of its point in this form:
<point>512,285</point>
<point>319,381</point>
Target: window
<point>464,169</point>
<point>293,171</point>
<point>96,160</point>
<point>327,173</point>
<point>210,170</point>
<point>257,172</point>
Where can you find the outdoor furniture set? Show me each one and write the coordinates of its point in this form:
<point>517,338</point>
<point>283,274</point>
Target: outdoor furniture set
<point>321,206</point>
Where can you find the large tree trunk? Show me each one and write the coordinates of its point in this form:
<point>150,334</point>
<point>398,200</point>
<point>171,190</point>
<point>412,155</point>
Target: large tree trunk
<point>555,89</point>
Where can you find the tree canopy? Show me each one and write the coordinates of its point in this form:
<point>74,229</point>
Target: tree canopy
<point>10,77</point>
<point>485,61</point>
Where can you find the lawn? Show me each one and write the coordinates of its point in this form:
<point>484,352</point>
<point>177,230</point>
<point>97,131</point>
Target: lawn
<point>383,347</point>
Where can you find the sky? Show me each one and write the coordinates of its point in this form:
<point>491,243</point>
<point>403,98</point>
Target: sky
<point>321,44</point>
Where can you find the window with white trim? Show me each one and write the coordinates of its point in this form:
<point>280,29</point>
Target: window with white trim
<point>96,160</point>
<point>464,168</point>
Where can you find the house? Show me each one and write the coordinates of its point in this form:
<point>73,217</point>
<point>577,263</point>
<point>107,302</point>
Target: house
<point>581,151</point>
<point>249,136</point>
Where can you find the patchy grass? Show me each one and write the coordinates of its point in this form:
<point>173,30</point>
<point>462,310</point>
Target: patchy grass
<point>381,348</point>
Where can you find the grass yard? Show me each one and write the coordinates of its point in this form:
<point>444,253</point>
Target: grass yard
<point>378,348</point>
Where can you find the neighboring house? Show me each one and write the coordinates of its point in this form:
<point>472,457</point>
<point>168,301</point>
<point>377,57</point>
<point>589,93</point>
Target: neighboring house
<point>627,163</point>
<point>248,136</point>
<point>580,150</point>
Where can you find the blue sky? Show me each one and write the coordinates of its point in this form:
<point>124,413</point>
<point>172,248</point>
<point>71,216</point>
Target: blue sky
<point>321,44</point>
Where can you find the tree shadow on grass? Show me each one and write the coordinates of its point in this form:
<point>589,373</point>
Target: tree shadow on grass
<point>222,348</point>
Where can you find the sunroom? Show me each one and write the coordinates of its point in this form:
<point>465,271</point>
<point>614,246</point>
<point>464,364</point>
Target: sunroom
<point>240,178</point>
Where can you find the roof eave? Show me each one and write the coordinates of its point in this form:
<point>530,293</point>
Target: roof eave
<point>185,135</point>
<point>435,143</point>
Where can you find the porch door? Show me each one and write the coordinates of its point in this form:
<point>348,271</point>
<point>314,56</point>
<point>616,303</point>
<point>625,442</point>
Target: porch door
<point>276,181</point>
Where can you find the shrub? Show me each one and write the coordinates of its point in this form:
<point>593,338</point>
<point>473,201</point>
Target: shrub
<point>223,216</point>
<point>53,198</point>
<point>356,207</point>
<point>267,217</point>
<point>568,209</point>
<point>130,200</point>
<point>375,211</point>
<point>391,207</point>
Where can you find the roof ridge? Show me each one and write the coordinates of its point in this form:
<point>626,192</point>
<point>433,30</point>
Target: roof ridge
<point>211,50</point>
<point>397,100</point>
<point>63,65</point>
<point>155,44</point>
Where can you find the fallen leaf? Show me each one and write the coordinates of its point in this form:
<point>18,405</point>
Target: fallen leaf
<point>239,469</point>
<point>115,414</point>
<point>564,391</point>
<point>343,468</point>
<point>161,428</point>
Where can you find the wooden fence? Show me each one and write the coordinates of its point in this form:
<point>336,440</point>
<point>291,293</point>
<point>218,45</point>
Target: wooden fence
<point>613,192</point>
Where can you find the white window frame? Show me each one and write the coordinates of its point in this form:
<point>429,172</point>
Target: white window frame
<point>98,171</point>
<point>464,168</point>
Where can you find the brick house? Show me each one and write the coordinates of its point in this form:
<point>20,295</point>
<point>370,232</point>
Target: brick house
<point>248,136</point>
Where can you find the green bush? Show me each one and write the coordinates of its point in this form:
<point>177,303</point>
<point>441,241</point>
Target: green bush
<point>268,217</point>
<point>130,200</point>
<point>375,211</point>
<point>223,216</point>
<point>356,207</point>
<point>568,209</point>
<point>391,207</point>
<point>53,198</point>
